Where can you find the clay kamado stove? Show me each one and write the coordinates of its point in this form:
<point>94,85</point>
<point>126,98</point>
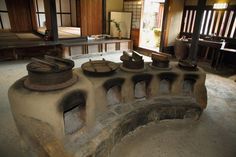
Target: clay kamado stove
<point>84,112</point>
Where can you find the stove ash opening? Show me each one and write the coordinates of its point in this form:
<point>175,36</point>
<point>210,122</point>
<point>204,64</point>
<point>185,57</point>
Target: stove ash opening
<point>114,95</point>
<point>166,81</point>
<point>165,86</point>
<point>188,84</point>
<point>113,90</point>
<point>74,111</point>
<point>141,84</point>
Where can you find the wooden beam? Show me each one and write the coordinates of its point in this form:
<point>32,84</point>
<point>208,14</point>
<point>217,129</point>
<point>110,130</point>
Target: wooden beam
<point>183,19</point>
<point>205,22</point>
<point>191,23</point>
<point>226,22</point>
<point>231,25</point>
<point>51,19</point>
<point>220,23</point>
<point>196,30</point>
<point>210,21</point>
<point>214,24</point>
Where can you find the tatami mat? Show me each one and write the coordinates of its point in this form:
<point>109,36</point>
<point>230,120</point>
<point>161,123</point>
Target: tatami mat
<point>64,32</point>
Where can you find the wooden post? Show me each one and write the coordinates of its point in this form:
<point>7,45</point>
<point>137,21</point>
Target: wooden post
<point>51,19</point>
<point>196,30</point>
<point>104,22</point>
<point>164,25</point>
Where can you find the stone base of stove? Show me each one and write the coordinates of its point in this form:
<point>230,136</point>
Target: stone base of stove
<point>113,125</point>
<point>105,114</point>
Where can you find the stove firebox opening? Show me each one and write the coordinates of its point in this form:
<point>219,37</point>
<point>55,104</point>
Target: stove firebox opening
<point>141,85</point>
<point>113,90</point>
<point>114,95</point>
<point>188,84</point>
<point>74,111</point>
<point>166,81</point>
<point>164,86</point>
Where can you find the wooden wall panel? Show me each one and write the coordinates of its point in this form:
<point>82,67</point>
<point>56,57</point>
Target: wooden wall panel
<point>33,15</point>
<point>91,17</point>
<point>135,37</point>
<point>19,15</point>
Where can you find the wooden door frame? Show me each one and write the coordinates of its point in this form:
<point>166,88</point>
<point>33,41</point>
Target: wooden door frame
<point>163,27</point>
<point>164,24</point>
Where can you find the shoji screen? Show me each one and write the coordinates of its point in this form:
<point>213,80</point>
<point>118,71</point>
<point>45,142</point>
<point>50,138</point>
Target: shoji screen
<point>135,8</point>
<point>40,12</point>
<point>66,12</point>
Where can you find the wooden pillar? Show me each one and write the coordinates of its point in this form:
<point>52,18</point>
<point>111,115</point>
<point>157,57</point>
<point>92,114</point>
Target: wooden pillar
<point>164,25</point>
<point>104,17</point>
<point>196,31</point>
<point>51,19</point>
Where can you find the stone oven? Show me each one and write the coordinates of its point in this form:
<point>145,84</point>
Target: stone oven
<point>102,103</point>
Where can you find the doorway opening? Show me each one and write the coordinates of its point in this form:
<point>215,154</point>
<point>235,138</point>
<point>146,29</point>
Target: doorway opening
<point>151,24</point>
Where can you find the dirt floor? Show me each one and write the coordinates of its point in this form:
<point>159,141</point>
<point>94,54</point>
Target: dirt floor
<point>214,135</point>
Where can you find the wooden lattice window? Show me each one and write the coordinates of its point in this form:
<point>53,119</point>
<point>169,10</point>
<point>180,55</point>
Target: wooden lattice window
<point>135,8</point>
<point>220,23</point>
<point>66,12</point>
<point>40,13</point>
